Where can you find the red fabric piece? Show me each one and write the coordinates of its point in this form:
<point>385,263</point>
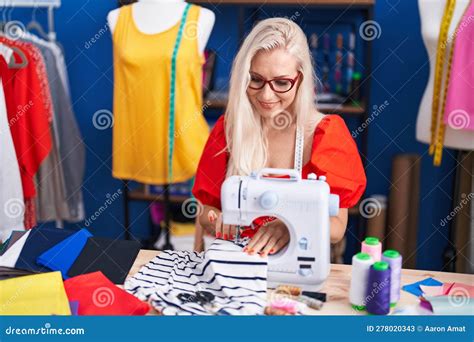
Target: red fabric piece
<point>28,101</point>
<point>334,155</point>
<point>97,295</point>
<point>30,213</point>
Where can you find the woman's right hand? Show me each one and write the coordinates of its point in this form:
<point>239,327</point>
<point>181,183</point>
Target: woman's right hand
<point>222,231</point>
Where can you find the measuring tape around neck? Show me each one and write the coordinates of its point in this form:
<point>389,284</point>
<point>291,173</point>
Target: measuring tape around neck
<point>298,165</point>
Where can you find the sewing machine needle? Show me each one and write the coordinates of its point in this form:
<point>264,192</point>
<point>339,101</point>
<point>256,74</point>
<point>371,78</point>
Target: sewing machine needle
<point>237,234</point>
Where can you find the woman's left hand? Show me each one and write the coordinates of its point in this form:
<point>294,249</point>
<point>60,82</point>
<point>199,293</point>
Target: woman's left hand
<point>269,239</point>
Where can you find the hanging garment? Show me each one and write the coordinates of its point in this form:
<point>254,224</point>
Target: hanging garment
<point>434,16</point>
<point>97,295</point>
<point>40,240</point>
<point>459,111</point>
<point>60,175</point>
<point>114,258</point>
<point>157,101</point>
<point>61,256</point>
<point>39,294</point>
<point>29,108</point>
<point>334,154</point>
<point>12,206</point>
<point>237,280</point>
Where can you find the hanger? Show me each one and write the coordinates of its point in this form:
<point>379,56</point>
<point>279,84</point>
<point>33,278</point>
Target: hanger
<point>35,25</point>
<point>24,60</point>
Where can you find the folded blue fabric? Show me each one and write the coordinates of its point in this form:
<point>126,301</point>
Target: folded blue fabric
<point>40,240</point>
<point>61,256</point>
<point>415,287</point>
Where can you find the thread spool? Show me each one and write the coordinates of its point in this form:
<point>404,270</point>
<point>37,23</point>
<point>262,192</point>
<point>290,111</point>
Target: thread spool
<point>289,290</point>
<point>269,311</point>
<point>311,303</point>
<point>378,289</point>
<point>372,246</point>
<point>286,304</point>
<point>395,261</point>
<point>361,263</point>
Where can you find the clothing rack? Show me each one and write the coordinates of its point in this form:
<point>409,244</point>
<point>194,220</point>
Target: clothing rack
<point>50,5</point>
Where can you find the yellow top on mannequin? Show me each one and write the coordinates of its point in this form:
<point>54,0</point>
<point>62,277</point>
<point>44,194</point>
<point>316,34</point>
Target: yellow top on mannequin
<point>142,72</point>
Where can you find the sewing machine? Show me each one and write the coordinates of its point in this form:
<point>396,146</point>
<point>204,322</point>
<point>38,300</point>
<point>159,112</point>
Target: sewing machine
<point>304,205</point>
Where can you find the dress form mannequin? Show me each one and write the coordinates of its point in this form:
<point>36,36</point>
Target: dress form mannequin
<point>169,13</point>
<point>431,13</point>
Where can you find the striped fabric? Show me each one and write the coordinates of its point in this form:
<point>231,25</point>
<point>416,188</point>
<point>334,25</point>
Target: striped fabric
<point>238,280</point>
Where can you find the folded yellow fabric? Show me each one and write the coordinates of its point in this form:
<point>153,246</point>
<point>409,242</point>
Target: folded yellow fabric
<point>39,294</point>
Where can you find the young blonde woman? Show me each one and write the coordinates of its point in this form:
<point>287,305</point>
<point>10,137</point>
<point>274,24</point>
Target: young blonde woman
<point>271,96</point>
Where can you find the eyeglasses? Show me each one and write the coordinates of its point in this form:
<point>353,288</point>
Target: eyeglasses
<point>278,84</point>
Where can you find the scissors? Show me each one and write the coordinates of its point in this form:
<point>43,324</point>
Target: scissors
<point>205,299</point>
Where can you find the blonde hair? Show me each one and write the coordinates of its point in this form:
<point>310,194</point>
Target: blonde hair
<point>246,142</point>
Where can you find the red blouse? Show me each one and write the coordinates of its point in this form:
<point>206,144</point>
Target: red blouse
<point>28,101</point>
<point>334,155</point>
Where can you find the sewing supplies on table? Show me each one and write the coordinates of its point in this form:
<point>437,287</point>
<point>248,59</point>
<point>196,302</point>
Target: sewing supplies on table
<point>304,205</point>
<point>378,289</point>
<point>395,261</point>
<point>270,311</point>
<point>372,246</point>
<point>375,278</point>
<point>361,263</point>
<point>204,298</point>
<point>288,292</point>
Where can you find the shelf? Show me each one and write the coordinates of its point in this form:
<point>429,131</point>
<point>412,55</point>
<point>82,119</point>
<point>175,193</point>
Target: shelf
<point>287,2</point>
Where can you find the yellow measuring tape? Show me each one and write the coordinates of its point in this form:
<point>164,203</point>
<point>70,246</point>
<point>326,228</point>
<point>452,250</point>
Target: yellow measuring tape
<point>437,125</point>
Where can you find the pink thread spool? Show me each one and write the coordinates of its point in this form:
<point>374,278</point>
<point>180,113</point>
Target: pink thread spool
<point>373,247</point>
<point>286,304</point>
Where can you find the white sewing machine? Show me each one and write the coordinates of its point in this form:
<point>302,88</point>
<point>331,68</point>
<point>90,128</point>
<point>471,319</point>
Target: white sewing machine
<point>304,205</point>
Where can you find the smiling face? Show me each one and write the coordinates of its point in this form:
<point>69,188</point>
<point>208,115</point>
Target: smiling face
<point>278,65</point>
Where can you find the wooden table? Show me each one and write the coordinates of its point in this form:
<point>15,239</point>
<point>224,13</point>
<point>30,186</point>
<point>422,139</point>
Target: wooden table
<point>337,285</point>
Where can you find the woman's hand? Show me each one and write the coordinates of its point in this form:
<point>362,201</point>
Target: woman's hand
<point>224,231</point>
<point>269,239</point>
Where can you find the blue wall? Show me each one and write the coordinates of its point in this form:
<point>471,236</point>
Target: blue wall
<point>400,75</point>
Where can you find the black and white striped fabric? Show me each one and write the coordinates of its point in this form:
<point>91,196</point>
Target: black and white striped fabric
<point>238,280</point>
